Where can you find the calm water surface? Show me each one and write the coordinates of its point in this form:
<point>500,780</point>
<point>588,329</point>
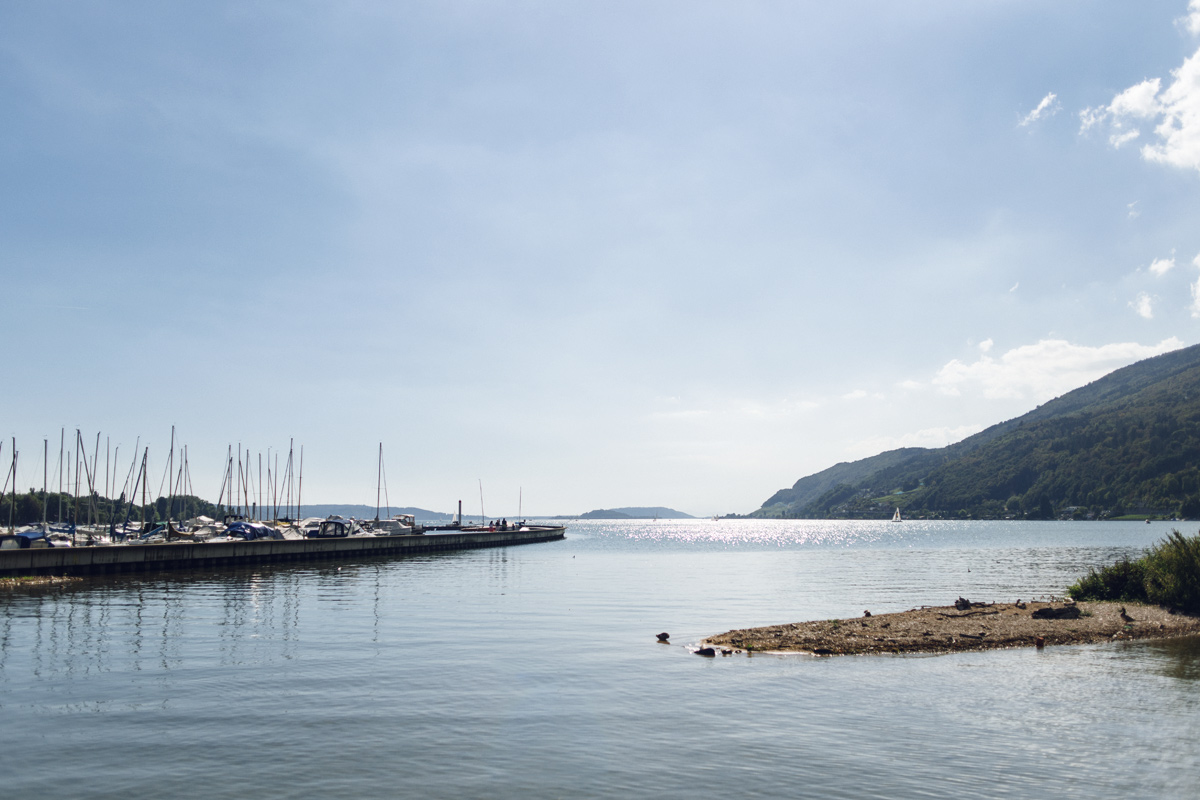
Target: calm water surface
<point>533,671</point>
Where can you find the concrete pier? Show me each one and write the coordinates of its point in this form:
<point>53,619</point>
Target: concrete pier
<point>109,559</point>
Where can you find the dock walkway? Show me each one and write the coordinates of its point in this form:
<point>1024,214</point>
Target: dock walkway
<point>110,559</point>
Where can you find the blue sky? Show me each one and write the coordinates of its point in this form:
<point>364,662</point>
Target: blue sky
<point>607,253</point>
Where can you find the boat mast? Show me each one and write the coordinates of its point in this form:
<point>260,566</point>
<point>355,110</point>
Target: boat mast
<point>62,439</point>
<point>171,476</point>
<point>378,480</point>
<point>12,505</point>
<point>93,508</point>
<point>145,480</point>
<point>45,476</point>
<point>107,490</point>
<point>75,516</point>
<point>300,483</point>
<point>481,515</point>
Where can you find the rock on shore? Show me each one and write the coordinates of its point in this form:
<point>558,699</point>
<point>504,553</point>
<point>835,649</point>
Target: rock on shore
<point>975,626</point>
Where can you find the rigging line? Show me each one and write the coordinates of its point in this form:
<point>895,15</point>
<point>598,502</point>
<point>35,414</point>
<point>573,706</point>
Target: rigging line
<point>386,499</point>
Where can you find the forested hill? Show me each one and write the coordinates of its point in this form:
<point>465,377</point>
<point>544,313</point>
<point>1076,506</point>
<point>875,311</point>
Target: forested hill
<point>1126,443</point>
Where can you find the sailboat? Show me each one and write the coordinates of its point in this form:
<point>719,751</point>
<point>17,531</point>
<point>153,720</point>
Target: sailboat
<point>395,525</point>
<point>896,517</point>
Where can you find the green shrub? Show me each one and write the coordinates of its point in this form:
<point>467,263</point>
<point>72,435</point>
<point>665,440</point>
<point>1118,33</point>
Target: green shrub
<point>1124,580</point>
<point>1173,573</point>
<point>1167,575</point>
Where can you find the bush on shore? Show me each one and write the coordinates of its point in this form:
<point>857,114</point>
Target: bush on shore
<point>1168,574</point>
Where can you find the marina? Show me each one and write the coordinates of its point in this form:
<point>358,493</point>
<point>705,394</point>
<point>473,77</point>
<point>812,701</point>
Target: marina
<point>108,559</point>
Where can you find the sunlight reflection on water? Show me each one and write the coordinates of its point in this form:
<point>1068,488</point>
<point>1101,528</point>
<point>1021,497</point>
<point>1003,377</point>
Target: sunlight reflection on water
<point>534,670</point>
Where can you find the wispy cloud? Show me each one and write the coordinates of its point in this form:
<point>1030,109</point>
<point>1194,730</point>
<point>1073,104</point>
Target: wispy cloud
<point>857,394</point>
<point>1161,266</point>
<point>1047,108</point>
<point>1047,369</point>
<point>1143,304</point>
<point>1133,212</point>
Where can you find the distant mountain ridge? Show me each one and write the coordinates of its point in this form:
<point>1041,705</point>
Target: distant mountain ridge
<point>636,512</point>
<point>1128,440</point>
<point>359,511</point>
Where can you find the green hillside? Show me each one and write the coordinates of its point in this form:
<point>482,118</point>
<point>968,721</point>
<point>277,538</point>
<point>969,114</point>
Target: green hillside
<point>1128,443</point>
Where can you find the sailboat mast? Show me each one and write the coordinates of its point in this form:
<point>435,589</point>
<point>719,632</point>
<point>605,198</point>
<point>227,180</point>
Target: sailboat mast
<point>145,480</point>
<point>378,480</point>
<point>12,505</point>
<point>62,440</point>
<point>300,483</point>
<point>171,476</point>
<point>45,476</point>
<point>107,490</point>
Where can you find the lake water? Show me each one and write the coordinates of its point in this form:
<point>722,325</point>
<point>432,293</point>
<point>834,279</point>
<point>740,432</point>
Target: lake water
<point>533,671</point>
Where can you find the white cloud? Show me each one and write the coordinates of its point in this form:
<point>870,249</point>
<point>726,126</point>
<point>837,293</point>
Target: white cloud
<point>1118,139</point>
<point>1014,286</point>
<point>857,394</point>
<point>985,345</point>
<point>1047,369</point>
<point>1161,266</point>
<point>1143,304</point>
<point>1047,108</point>
<point>1175,109</point>
<point>1192,20</point>
<point>1139,101</point>
<point>1133,212</point>
<point>1179,130</point>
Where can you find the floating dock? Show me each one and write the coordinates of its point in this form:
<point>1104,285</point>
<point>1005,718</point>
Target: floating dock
<point>111,559</point>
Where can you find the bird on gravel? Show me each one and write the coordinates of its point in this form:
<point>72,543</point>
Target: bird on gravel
<point>1125,617</point>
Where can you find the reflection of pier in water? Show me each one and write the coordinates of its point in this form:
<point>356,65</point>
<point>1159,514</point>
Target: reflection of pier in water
<point>254,616</point>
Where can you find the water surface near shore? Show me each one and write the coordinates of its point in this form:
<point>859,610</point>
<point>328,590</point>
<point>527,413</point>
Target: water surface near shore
<point>533,671</point>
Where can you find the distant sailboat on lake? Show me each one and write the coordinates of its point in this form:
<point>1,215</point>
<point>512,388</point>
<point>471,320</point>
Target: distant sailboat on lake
<point>896,517</point>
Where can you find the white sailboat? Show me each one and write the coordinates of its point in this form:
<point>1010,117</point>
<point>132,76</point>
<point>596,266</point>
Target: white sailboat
<point>896,517</point>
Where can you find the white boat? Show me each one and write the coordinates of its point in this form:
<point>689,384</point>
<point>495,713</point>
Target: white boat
<point>398,525</point>
<point>896,517</point>
<point>336,527</point>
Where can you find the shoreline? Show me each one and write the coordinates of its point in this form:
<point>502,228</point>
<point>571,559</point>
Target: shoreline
<point>957,628</point>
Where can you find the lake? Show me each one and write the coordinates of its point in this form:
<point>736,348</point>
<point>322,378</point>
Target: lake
<point>533,671</point>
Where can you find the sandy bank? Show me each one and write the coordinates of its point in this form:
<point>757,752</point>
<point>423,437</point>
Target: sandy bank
<point>945,629</point>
